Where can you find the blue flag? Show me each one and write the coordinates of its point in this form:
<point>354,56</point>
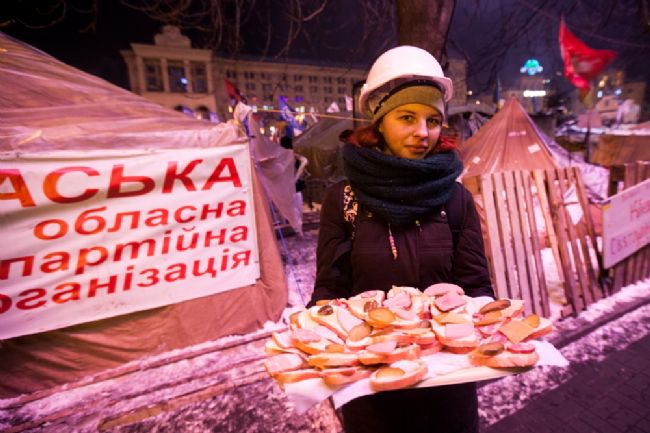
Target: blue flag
<point>289,114</point>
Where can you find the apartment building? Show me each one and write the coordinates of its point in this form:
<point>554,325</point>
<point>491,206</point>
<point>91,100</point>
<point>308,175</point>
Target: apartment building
<point>173,74</point>
<point>307,87</point>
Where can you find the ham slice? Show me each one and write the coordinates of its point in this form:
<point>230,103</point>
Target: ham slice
<point>440,289</point>
<point>305,336</point>
<point>282,339</point>
<point>404,314</point>
<point>401,300</point>
<point>455,331</point>
<point>328,334</point>
<point>283,362</point>
<point>520,347</point>
<point>347,319</point>
<point>450,301</point>
<point>383,347</point>
<point>488,330</point>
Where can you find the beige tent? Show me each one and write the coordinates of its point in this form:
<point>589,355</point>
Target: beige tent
<point>321,145</point>
<point>49,106</point>
<point>508,141</point>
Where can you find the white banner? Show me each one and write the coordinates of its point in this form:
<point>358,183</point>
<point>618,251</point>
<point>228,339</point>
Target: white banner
<point>90,235</point>
<point>626,223</point>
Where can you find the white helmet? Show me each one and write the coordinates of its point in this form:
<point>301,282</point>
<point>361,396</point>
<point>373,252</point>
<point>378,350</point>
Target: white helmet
<point>402,64</point>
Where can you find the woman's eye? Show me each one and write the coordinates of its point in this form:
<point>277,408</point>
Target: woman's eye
<point>407,117</point>
<point>433,122</point>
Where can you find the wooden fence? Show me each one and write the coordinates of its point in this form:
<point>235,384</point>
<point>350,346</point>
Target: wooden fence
<point>637,266</point>
<point>524,212</point>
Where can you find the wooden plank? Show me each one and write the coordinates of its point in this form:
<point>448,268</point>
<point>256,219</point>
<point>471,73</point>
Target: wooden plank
<point>517,240</point>
<point>539,177</point>
<point>559,219</point>
<point>640,257</point>
<point>646,261</point>
<point>592,290</point>
<point>584,231</point>
<point>532,295</point>
<point>498,269</point>
<point>504,230</point>
<point>645,258</point>
<point>542,290</point>
<point>578,260</point>
<point>629,180</point>
<point>591,232</point>
<point>616,175</point>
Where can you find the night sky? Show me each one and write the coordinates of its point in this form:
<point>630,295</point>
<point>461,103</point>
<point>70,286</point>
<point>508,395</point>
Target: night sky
<point>496,36</point>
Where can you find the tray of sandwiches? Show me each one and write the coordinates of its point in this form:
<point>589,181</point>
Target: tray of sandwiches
<point>377,341</point>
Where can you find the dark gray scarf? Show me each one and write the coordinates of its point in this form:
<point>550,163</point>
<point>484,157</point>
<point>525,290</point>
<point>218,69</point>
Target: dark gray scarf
<point>398,189</point>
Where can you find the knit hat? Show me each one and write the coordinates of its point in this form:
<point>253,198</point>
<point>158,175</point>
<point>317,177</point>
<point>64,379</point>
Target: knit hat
<point>411,93</point>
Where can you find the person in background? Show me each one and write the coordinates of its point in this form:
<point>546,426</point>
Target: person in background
<point>299,165</point>
<point>401,178</point>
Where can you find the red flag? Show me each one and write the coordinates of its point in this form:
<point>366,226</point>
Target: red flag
<point>232,91</point>
<point>581,63</point>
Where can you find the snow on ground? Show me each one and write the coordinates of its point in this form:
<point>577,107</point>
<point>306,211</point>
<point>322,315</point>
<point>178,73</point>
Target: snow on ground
<point>503,397</point>
<point>259,402</point>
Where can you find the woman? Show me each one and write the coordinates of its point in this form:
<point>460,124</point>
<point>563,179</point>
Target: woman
<point>388,225</point>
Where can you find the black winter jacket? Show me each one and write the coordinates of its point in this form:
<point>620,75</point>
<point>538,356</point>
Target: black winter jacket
<point>426,254</point>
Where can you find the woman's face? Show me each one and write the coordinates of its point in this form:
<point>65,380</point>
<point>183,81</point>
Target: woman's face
<point>411,130</point>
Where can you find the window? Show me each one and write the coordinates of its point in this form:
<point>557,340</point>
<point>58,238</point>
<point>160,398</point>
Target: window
<point>313,89</point>
<point>199,77</point>
<point>327,80</point>
<point>298,88</point>
<point>340,80</point>
<point>250,86</point>
<point>231,74</point>
<point>177,78</point>
<point>153,75</point>
<point>327,89</point>
<point>297,78</point>
<point>313,79</point>
<point>282,77</point>
<point>265,76</point>
<point>267,87</point>
<point>249,75</point>
<point>342,89</point>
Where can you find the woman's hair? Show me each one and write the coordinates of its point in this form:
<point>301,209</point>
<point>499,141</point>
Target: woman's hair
<point>369,136</point>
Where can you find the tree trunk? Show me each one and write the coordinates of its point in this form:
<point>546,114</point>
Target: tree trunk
<point>425,24</point>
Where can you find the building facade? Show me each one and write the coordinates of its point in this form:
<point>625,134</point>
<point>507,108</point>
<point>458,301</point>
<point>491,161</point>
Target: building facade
<point>173,74</point>
<point>195,81</point>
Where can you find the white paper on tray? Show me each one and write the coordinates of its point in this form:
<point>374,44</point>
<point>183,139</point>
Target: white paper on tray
<point>443,369</point>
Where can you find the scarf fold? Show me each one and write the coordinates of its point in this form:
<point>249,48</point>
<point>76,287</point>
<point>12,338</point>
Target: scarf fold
<point>398,189</point>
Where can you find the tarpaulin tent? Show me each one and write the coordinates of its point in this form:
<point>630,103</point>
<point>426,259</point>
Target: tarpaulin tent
<point>49,108</point>
<point>508,141</point>
<point>321,145</point>
<point>512,141</point>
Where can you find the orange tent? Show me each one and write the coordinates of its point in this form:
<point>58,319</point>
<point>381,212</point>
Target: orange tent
<point>509,141</point>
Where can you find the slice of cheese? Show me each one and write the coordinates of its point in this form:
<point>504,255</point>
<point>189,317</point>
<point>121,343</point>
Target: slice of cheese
<point>516,330</point>
<point>452,317</point>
